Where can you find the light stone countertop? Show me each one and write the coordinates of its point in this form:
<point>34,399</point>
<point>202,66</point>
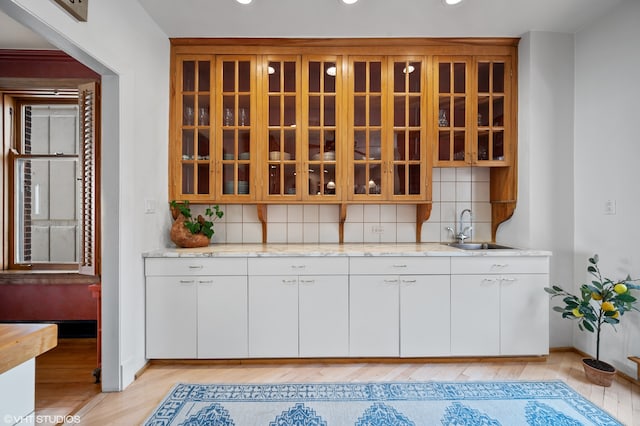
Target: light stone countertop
<point>347,249</point>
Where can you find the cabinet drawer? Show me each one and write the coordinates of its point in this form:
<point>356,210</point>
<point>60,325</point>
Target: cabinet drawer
<point>500,265</point>
<point>400,265</point>
<point>299,266</point>
<point>195,266</point>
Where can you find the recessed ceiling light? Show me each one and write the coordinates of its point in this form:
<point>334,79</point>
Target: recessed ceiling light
<point>349,1</point>
<point>451,2</point>
<point>244,1</point>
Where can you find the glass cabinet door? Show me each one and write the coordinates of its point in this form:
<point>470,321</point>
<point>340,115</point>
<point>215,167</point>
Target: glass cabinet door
<point>405,168</point>
<point>493,98</point>
<point>194,86</point>
<point>321,81</point>
<point>235,118</point>
<point>452,92</point>
<point>282,115</point>
<point>366,98</point>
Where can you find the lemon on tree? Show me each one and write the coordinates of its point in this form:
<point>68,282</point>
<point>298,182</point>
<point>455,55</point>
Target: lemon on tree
<point>608,306</point>
<point>620,288</point>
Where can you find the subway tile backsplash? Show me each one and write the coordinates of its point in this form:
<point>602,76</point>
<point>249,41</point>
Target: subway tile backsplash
<point>454,189</point>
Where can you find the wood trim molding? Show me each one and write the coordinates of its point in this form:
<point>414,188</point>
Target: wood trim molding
<point>47,64</point>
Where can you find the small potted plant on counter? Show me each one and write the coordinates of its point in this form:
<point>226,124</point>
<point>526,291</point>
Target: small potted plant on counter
<point>603,301</point>
<point>189,232</point>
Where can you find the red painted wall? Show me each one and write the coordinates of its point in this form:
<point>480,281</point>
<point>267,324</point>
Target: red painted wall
<point>37,302</point>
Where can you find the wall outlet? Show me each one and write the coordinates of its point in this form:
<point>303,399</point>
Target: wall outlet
<point>377,229</point>
<point>610,207</point>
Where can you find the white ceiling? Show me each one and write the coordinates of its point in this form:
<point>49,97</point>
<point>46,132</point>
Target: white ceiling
<point>371,18</point>
<point>332,18</point>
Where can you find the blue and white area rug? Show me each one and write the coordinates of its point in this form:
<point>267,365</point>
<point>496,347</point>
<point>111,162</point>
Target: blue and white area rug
<point>550,403</point>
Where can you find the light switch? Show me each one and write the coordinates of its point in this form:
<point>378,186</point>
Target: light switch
<point>610,207</point>
<point>150,206</point>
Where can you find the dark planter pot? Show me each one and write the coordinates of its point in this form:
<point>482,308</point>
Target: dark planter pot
<point>598,372</point>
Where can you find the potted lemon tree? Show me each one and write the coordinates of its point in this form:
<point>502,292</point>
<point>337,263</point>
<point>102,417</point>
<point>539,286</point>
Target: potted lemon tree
<point>189,232</point>
<point>602,301</point>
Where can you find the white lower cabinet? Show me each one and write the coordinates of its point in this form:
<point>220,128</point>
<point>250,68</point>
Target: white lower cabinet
<point>197,317</point>
<point>222,317</point>
<point>171,317</point>
<point>346,306</point>
<point>399,307</point>
<point>323,309</point>
<point>499,306</point>
<point>475,315</point>
<point>405,316</point>
<point>374,319</point>
<point>425,305</point>
<point>304,315</point>
<point>192,312</point>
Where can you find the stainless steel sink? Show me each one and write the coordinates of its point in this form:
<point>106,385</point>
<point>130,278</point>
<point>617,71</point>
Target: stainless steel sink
<point>479,246</point>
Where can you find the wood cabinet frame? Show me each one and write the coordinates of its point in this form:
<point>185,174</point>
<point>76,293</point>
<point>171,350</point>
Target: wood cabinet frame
<point>503,193</point>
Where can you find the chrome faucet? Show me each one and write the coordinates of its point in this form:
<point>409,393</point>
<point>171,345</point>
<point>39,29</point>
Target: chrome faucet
<point>464,232</point>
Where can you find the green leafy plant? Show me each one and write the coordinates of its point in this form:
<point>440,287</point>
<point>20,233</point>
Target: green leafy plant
<point>200,224</point>
<point>602,301</point>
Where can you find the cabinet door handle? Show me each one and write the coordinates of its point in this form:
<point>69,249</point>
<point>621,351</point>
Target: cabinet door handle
<point>294,281</point>
<point>307,281</point>
<point>509,280</point>
<point>196,266</point>
<point>408,281</point>
<point>489,280</point>
<point>399,265</point>
<point>187,281</point>
<point>499,265</point>
<point>298,266</point>
<point>390,281</point>
<point>209,282</point>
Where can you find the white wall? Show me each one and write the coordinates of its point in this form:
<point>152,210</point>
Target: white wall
<point>122,43</point>
<point>543,218</point>
<point>607,151</point>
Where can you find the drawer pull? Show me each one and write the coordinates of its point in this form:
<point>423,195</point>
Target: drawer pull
<point>298,266</point>
<point>187,281</point>
<point>409,281</point>
<point>196,266</point>
<point>499,265</point>
<point>489,280</point>
<point>509,280</point>
<point>294,281</point>
<point>399,265</point>
<point>307,281</point>
<point>205,282</point>
<point>390,281</point>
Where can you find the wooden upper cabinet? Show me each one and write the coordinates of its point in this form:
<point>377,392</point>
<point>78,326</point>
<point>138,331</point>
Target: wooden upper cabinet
<point>281,124</point>
<point>323,130</point>
<point>387,135</point>
<point>493,137</point>
<point>473,96</point>
<point>191,162</point>
<point>301,121</point>
<point>236,138</point>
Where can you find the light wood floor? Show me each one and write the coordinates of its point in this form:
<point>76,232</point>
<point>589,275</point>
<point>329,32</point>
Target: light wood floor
<point>135,403</point>
<point>64,380</point>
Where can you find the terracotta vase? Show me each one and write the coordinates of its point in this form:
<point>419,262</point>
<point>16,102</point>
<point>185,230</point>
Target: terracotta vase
<point>182,237</point>
<point>596,375</point>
